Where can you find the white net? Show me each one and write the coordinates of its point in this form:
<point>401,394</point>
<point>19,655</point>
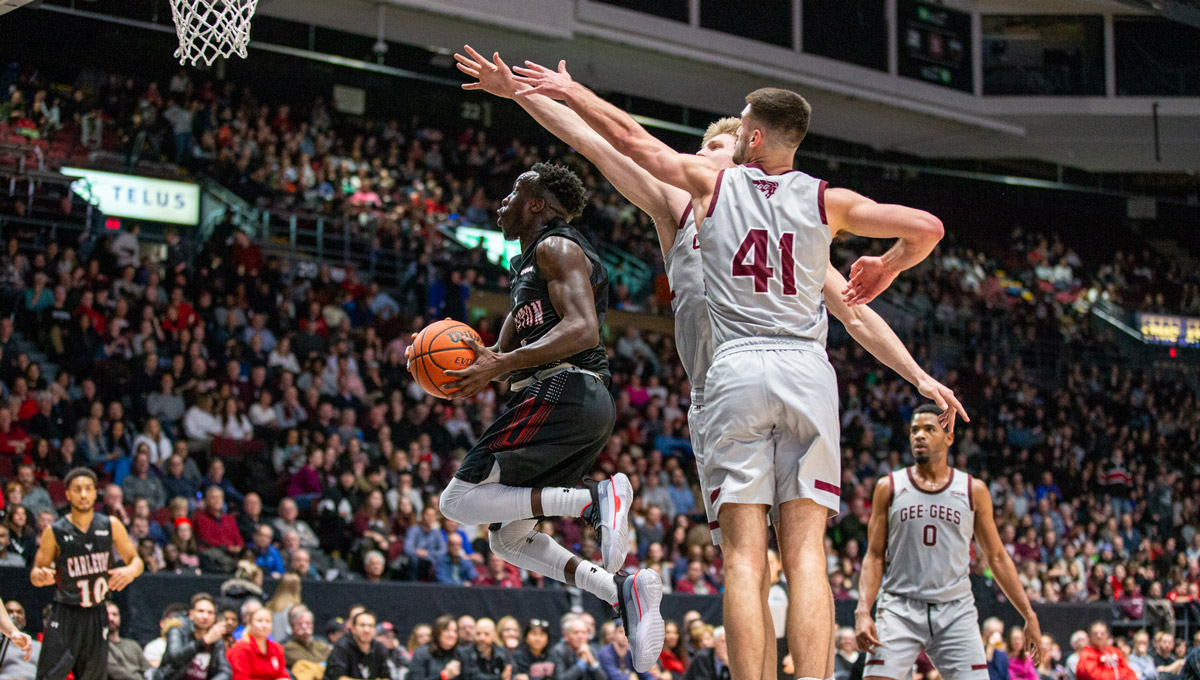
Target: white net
<point>209,29</point>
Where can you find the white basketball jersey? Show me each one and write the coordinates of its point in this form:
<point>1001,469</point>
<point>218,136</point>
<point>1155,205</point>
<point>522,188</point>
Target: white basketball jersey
<point>765,245</point>
<point>929,539</point>
<point>685,274</point>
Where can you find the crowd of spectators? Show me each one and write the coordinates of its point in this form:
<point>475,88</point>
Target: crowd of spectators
<point>240,411</point>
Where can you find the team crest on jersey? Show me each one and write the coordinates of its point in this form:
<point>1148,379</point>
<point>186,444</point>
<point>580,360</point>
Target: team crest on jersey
<point>101,532</point>
<point>766,186</point>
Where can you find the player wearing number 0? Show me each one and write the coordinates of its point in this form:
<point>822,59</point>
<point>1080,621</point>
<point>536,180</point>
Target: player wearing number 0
<point>772,430</point>
<point>74,556</point>
<point>922,522</point>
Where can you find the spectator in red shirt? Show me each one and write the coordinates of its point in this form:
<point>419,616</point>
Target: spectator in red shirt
<point>179,313</point>
<point>1100,660</point>
<point>255,657</point>
<point>246,257</point>
<point>13,440</point>
<point>214,528</point>
<point>86,302</point>
<point>315,322</point>
<point>693,582</point>
<point>499,573</point>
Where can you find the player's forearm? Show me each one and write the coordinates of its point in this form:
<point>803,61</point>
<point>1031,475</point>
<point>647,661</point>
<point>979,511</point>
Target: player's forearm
<point>7,627</point>
<point>1010,584</point>
<point>560,121</point>
<point>568,338</point>
<point>617,127</point>
<point>868,584</point>
<point>920,236</point>
<point>877,337</point>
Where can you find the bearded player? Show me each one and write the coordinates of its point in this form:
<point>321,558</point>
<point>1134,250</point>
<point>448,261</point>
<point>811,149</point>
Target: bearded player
<point>74,556</point>
<point>771,438</point>
<point>923,519</point>
<point>527,463</point>
<point>671,211</point>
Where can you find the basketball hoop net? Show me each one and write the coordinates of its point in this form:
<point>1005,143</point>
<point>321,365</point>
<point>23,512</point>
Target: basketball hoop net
<point>209,29</point>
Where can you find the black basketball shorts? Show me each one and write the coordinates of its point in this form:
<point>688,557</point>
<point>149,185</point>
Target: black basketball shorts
<point>76,640</point>
<point>550,434</point>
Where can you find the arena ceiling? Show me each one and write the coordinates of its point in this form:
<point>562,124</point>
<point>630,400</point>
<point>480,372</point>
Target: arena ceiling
<point>1098,134</point>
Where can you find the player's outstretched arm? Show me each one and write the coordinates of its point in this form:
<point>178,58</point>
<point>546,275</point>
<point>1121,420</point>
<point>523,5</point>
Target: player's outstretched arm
<point>693,174</point>
<point>871,576</point>
<point>877,337</point>
<point>42,573</point>
<point>918,233</point>
<point>120,577</point>
<point>635,184</point>
<point>1002,566</point>
<point>567,272</point>
<point>9,630</point>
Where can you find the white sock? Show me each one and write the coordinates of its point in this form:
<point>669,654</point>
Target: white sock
<point>594,579</point>
<point>565,502</point>
<point>522,545</point>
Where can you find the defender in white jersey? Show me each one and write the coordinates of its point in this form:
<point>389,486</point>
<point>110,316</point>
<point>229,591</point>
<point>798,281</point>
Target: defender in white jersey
<point>678,238</point>
<point>922,523</point>
<point>786,428</point>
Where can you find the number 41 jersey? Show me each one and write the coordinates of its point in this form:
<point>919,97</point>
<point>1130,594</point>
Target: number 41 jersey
<point>765,246</point>
<point>83,561</point>
<point>929,539</point>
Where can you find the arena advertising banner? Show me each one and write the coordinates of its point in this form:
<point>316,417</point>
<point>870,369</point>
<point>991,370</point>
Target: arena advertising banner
<point>499,251</point>
<point>142,198</point>
<point>1168,329</point>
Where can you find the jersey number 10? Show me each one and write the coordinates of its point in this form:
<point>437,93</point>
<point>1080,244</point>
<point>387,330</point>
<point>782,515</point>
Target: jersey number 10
<point>87,591</point>
<point>757,241</point>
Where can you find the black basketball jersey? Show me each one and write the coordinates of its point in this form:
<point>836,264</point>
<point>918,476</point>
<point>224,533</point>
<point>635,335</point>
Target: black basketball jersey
<point>83,561</point>
<point>534,314</point>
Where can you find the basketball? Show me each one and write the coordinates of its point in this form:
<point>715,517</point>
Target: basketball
<point>438,348</point>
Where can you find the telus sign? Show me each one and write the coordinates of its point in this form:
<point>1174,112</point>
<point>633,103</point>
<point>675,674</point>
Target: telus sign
<point>143,198</point>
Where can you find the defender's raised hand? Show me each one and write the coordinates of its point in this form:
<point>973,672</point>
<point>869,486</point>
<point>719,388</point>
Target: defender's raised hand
<point>543,81</point>
<point>494,76</point>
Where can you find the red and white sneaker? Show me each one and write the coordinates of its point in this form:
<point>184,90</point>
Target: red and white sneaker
<point>638,599</point>
<point>609,516</point>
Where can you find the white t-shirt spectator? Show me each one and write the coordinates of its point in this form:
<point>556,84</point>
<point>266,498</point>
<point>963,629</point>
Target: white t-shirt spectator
<point>200,425</point>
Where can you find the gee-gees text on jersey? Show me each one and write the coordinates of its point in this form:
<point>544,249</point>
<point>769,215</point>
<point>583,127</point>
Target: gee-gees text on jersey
<point>942,512</point>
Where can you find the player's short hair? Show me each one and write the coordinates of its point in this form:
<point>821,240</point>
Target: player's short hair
<point>927,408</point>
<point>724,126</point>
<point>782,111</point>
<point>78,472</point>
<point>564,185</point>
<point>201,597</point>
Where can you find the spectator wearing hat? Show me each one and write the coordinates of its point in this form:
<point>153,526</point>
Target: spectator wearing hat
<point>397,659</point>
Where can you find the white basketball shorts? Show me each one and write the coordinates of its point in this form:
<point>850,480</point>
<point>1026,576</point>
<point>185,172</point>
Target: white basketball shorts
<point>771,429</point>
<point>947,631</point>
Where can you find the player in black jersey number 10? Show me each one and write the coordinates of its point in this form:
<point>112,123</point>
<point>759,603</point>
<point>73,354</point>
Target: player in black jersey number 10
<point>74,557</point>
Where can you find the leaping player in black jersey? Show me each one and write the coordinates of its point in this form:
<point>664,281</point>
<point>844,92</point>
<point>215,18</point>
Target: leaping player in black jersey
<point>74,556</point>
<point>528,462</point>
